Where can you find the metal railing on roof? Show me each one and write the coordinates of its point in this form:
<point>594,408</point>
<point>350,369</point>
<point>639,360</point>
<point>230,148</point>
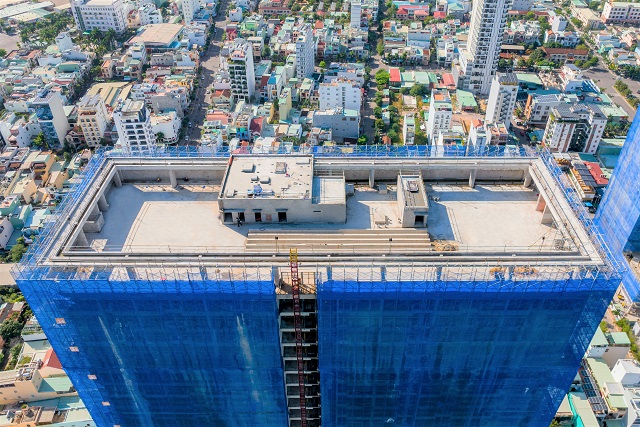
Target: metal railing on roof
<point>81,191</point>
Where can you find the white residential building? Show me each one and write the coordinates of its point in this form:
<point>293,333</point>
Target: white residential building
<point>419,38</point>
<point>577,127</point>
<point>477,139</point>
<point>236,57</point>
<point>16,131</point>
<point>343,123</point>
<point>571,78</point>
<point>49,108</point>
<point>133,124</point>
<point>149,14</point>
<point>440,112</point>
<point>93,119</point>
<point>502,98</point>
<point>196,34</point>
<point>6,230</point>
<point>340,93</point>
<point>100,14</point>
<point>235,15</point>
<point>479,61</point>
<point>558,23</point>
<point>539,107</point>
<point>64,41</point>
<point>305,51</point>
<point>568,39</point>
<point>621,12</point>
<point>356,14</point>
<point>168,125</point>
<point>189,8</point>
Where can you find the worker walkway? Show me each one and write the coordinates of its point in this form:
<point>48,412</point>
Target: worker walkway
<point>396,241</point>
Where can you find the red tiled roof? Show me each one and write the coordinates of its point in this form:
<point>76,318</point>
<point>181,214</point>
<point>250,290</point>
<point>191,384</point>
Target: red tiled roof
<point>394,75</point>
<point>563,51</point>
<point>255,126</point>
<point>448,80</point>
<point>421,12</point>
<point>596,173</point>
<point>439,14</point>
<point>51,360</point>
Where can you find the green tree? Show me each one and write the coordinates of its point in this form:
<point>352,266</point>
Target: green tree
<point>362,140</point>
<point>266,52</point>
<point>323,64</point>
<point>3,53</point>
<point>16,252</point>
<point>160,136</point>
<point>9,329</point>
<point>39,141</point>
<point>380,47</point>
<point>418,90</point>
<point>377,112</point>
<point>576,22</point>
<point>382,78</point>
<point>395,138</point>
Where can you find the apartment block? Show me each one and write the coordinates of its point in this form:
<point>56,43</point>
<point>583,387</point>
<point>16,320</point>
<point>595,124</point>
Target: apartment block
<point>440,113</point>
<point>49,110</point>
<point>344,123</point>
<point>100,14</point>
<point>539,106</point>
<point>305,51</point>
<point>236,57</point>
<point>502,98</point>
<point>133,123</point>
<point>189,8</point>
<point>620,12</point>
<point>340,93</point>
<point>479,60</point>
<point>577,127</point>
<point>93,119</point>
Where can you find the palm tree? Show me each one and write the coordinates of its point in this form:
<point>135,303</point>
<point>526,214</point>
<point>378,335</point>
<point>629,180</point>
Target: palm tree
<point>160,136</point>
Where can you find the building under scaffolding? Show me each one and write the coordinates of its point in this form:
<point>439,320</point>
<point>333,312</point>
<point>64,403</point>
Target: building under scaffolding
<point>619,217</point>
<point>457,291</point>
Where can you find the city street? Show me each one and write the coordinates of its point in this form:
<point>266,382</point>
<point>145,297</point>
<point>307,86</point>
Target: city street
<point>605,79</point>
<point>210,62</point>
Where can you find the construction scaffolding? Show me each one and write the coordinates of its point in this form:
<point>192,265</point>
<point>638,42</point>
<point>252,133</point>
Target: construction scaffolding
<point>453,339</point>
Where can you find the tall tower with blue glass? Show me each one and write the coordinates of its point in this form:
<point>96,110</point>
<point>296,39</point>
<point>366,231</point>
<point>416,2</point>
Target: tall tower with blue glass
<point>619,213</point>
<point>165,310</point>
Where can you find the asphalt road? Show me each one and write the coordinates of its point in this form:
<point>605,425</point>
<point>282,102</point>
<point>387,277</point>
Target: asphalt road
<point>605,79</point>
<point>210,62</point>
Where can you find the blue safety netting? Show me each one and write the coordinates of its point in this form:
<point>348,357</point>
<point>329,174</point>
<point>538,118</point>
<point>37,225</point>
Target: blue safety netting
<point>618,215</point>
<point>158,354</point>
<point>409,354</point>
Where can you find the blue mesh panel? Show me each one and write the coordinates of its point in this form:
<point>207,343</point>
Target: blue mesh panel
<point>619,213</point>
<point>401,355</point>
<point>159,356</point>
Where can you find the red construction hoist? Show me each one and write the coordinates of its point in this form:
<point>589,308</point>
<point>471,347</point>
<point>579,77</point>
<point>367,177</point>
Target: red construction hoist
<point>297,320</point>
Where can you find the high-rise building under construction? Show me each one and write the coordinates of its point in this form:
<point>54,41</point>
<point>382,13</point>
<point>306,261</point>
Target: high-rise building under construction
<point>299,290</point>
<point>619,215</point>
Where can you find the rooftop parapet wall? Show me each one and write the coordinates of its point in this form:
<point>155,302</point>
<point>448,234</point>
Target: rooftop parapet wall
<point>49,241</point>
